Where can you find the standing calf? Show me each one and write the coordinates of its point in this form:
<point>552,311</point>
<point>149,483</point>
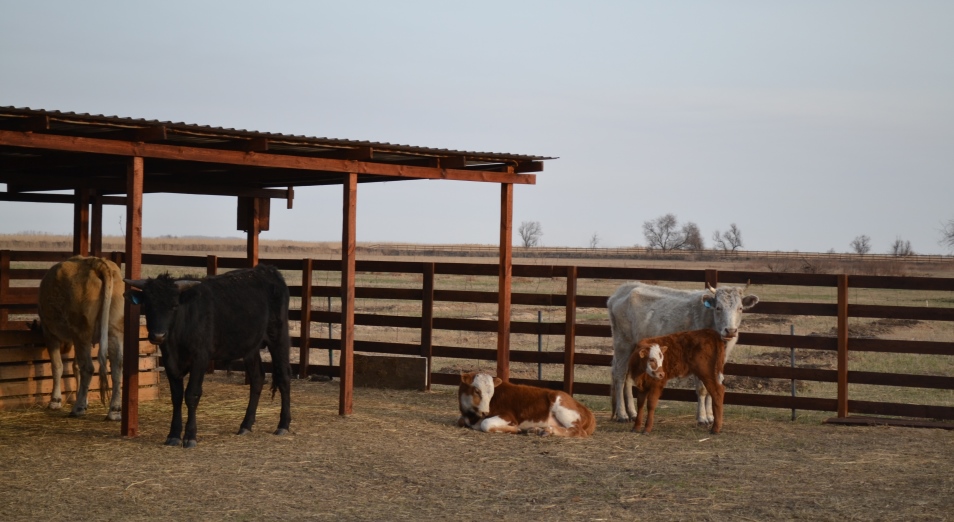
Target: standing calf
<point>488,404</point>
<point>657,359</point>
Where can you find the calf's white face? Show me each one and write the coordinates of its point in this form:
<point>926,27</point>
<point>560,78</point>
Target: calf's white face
<point>654,360</point>
<point>476,392</point>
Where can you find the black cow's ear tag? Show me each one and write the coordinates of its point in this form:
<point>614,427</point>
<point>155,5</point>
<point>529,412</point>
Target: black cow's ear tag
<point>135,297</point>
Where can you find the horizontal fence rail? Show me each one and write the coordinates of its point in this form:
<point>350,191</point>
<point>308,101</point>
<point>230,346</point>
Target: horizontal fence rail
<point>429,291</point>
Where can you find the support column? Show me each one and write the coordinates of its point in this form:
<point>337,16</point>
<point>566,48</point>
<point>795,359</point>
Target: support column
<point>348,246</point>
<point>254,229</point>
<point>134,179</point>
<point>96,226</point>
<point>81,222</point>
<point>504,279</point>
<point>569,339</point>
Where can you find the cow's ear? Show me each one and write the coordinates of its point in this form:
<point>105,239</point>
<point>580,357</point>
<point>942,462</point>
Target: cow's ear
<point>662,349</point>
<point>497,381</point>
<point>708,300</point>
<point>467,378</point>
<point>134,296</point>
<point>643,352</point>
<point>749,301</point>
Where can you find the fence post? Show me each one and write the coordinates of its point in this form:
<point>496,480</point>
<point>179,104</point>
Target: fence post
<point>331,352</point>
<point>842,345</point>
<point>792,333</point>
<point>212,268</point>
<point>304,345</point>
<point>569,340</point>
<point>4,285</point>
<point>427,320</point>
<point>539,344</point>
<point>712,277</point>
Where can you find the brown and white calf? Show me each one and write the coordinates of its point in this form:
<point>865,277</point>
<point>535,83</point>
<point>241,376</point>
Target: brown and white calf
<point>658,359</point>
<point>488,404</point>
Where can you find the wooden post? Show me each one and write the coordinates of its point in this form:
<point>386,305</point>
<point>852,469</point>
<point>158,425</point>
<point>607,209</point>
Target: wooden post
<point>348,245</point>
<point>96,226</point>
<point>4,286</point>
<point>427,319</point>
<point>504,279</point>
<point>304,346</point>
<point>254,228</point>
<point>712,278</point>
<point>569,340</point>
<point>842,345</point>
<point>81,222</point>
<point>211,268</point>
<point>134,179</point>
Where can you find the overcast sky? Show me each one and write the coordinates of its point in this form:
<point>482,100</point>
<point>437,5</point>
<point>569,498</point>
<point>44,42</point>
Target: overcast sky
<point>805,123</point>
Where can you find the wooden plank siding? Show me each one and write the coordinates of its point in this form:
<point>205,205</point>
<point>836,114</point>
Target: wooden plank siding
<point>430,294</point>
<point>26,375</point>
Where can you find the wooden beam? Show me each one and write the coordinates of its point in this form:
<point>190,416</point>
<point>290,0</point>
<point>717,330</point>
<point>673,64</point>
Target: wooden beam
<point>57,198</point>
<point>205,155</point>
<point>130,419</point>
<point>254,227</point>
<point>348,248</point>
<point>96,226</point>
<point>304,346</point>
<point>503,282</point>
<point>569,340</point>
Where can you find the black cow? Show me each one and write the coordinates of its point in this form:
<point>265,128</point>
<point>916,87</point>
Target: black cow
<point>225,317</point>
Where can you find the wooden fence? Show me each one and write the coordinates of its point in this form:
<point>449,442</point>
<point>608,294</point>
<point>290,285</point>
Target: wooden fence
<point>430,293</point>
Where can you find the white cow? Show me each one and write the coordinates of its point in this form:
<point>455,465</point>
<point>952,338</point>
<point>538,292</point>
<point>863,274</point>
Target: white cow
<point>637,310</point>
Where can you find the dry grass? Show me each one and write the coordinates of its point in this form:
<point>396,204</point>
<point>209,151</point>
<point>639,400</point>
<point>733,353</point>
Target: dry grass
<point>400,457</point>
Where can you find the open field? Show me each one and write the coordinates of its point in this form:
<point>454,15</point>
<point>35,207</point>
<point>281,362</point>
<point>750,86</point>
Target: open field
<point>400,457</point>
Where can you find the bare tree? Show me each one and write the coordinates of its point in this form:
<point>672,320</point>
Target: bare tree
<point>693,237</point>
<point>901,248</point>
<point>594,240</point>
<point>729,240</point>
<point>663,233</point>
<point>947,234</point>
<point>861,244</point>
<point>530,233</point>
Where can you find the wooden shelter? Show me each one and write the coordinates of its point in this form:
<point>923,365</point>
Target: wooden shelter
<point>109,160</point>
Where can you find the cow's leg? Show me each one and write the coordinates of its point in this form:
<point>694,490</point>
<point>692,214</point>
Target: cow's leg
<point>717,396</point>
<point>652,400</point>
<point>281,375</point>
<point>703,404</point>
<point>116,372</point>
<point>640,403</point>
<point>175,393</point>
<point>56,361</point>
<point>624,407</point>
<point>84,360</point>
<point>256,378</point>
<point>497,425</point>
<point>193,393</point>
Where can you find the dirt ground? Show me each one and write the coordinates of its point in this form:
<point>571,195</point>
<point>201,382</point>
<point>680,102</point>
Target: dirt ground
<point>401,457</point>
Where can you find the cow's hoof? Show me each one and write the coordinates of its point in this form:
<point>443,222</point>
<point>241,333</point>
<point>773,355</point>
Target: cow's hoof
<point>114,415</point>
<point>622,419</point>
<point>188,444</point>
<point>243,431</point>
<point>173,441</point>
<point>281,431</point>
<point>55,404</point>
<point>78,412</point>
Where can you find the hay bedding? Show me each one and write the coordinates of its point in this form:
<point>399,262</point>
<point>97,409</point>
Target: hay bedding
<point>400,457</point>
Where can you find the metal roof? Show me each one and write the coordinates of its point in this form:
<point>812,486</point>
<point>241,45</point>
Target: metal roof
<point>42,150</point>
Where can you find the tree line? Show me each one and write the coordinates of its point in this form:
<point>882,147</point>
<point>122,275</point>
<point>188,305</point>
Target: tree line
<point>666,234</point>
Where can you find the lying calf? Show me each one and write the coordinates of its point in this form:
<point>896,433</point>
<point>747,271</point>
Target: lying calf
<point>658,359</point>
<point>491,405</point>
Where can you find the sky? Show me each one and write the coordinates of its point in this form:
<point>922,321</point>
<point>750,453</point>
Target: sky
<point>804,123</point>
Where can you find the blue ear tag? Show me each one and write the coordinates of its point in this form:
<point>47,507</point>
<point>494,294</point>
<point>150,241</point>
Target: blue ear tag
<point>707,304</point>
<point>135,297</point>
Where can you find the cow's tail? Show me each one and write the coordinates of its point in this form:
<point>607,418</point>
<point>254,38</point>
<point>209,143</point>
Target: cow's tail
<point>102,270</point>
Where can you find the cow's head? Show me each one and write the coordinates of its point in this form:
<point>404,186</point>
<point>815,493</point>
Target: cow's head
<point>726,305</point>
<point>653,355</point>
<point>160,298</point>
<point>475,393</point>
